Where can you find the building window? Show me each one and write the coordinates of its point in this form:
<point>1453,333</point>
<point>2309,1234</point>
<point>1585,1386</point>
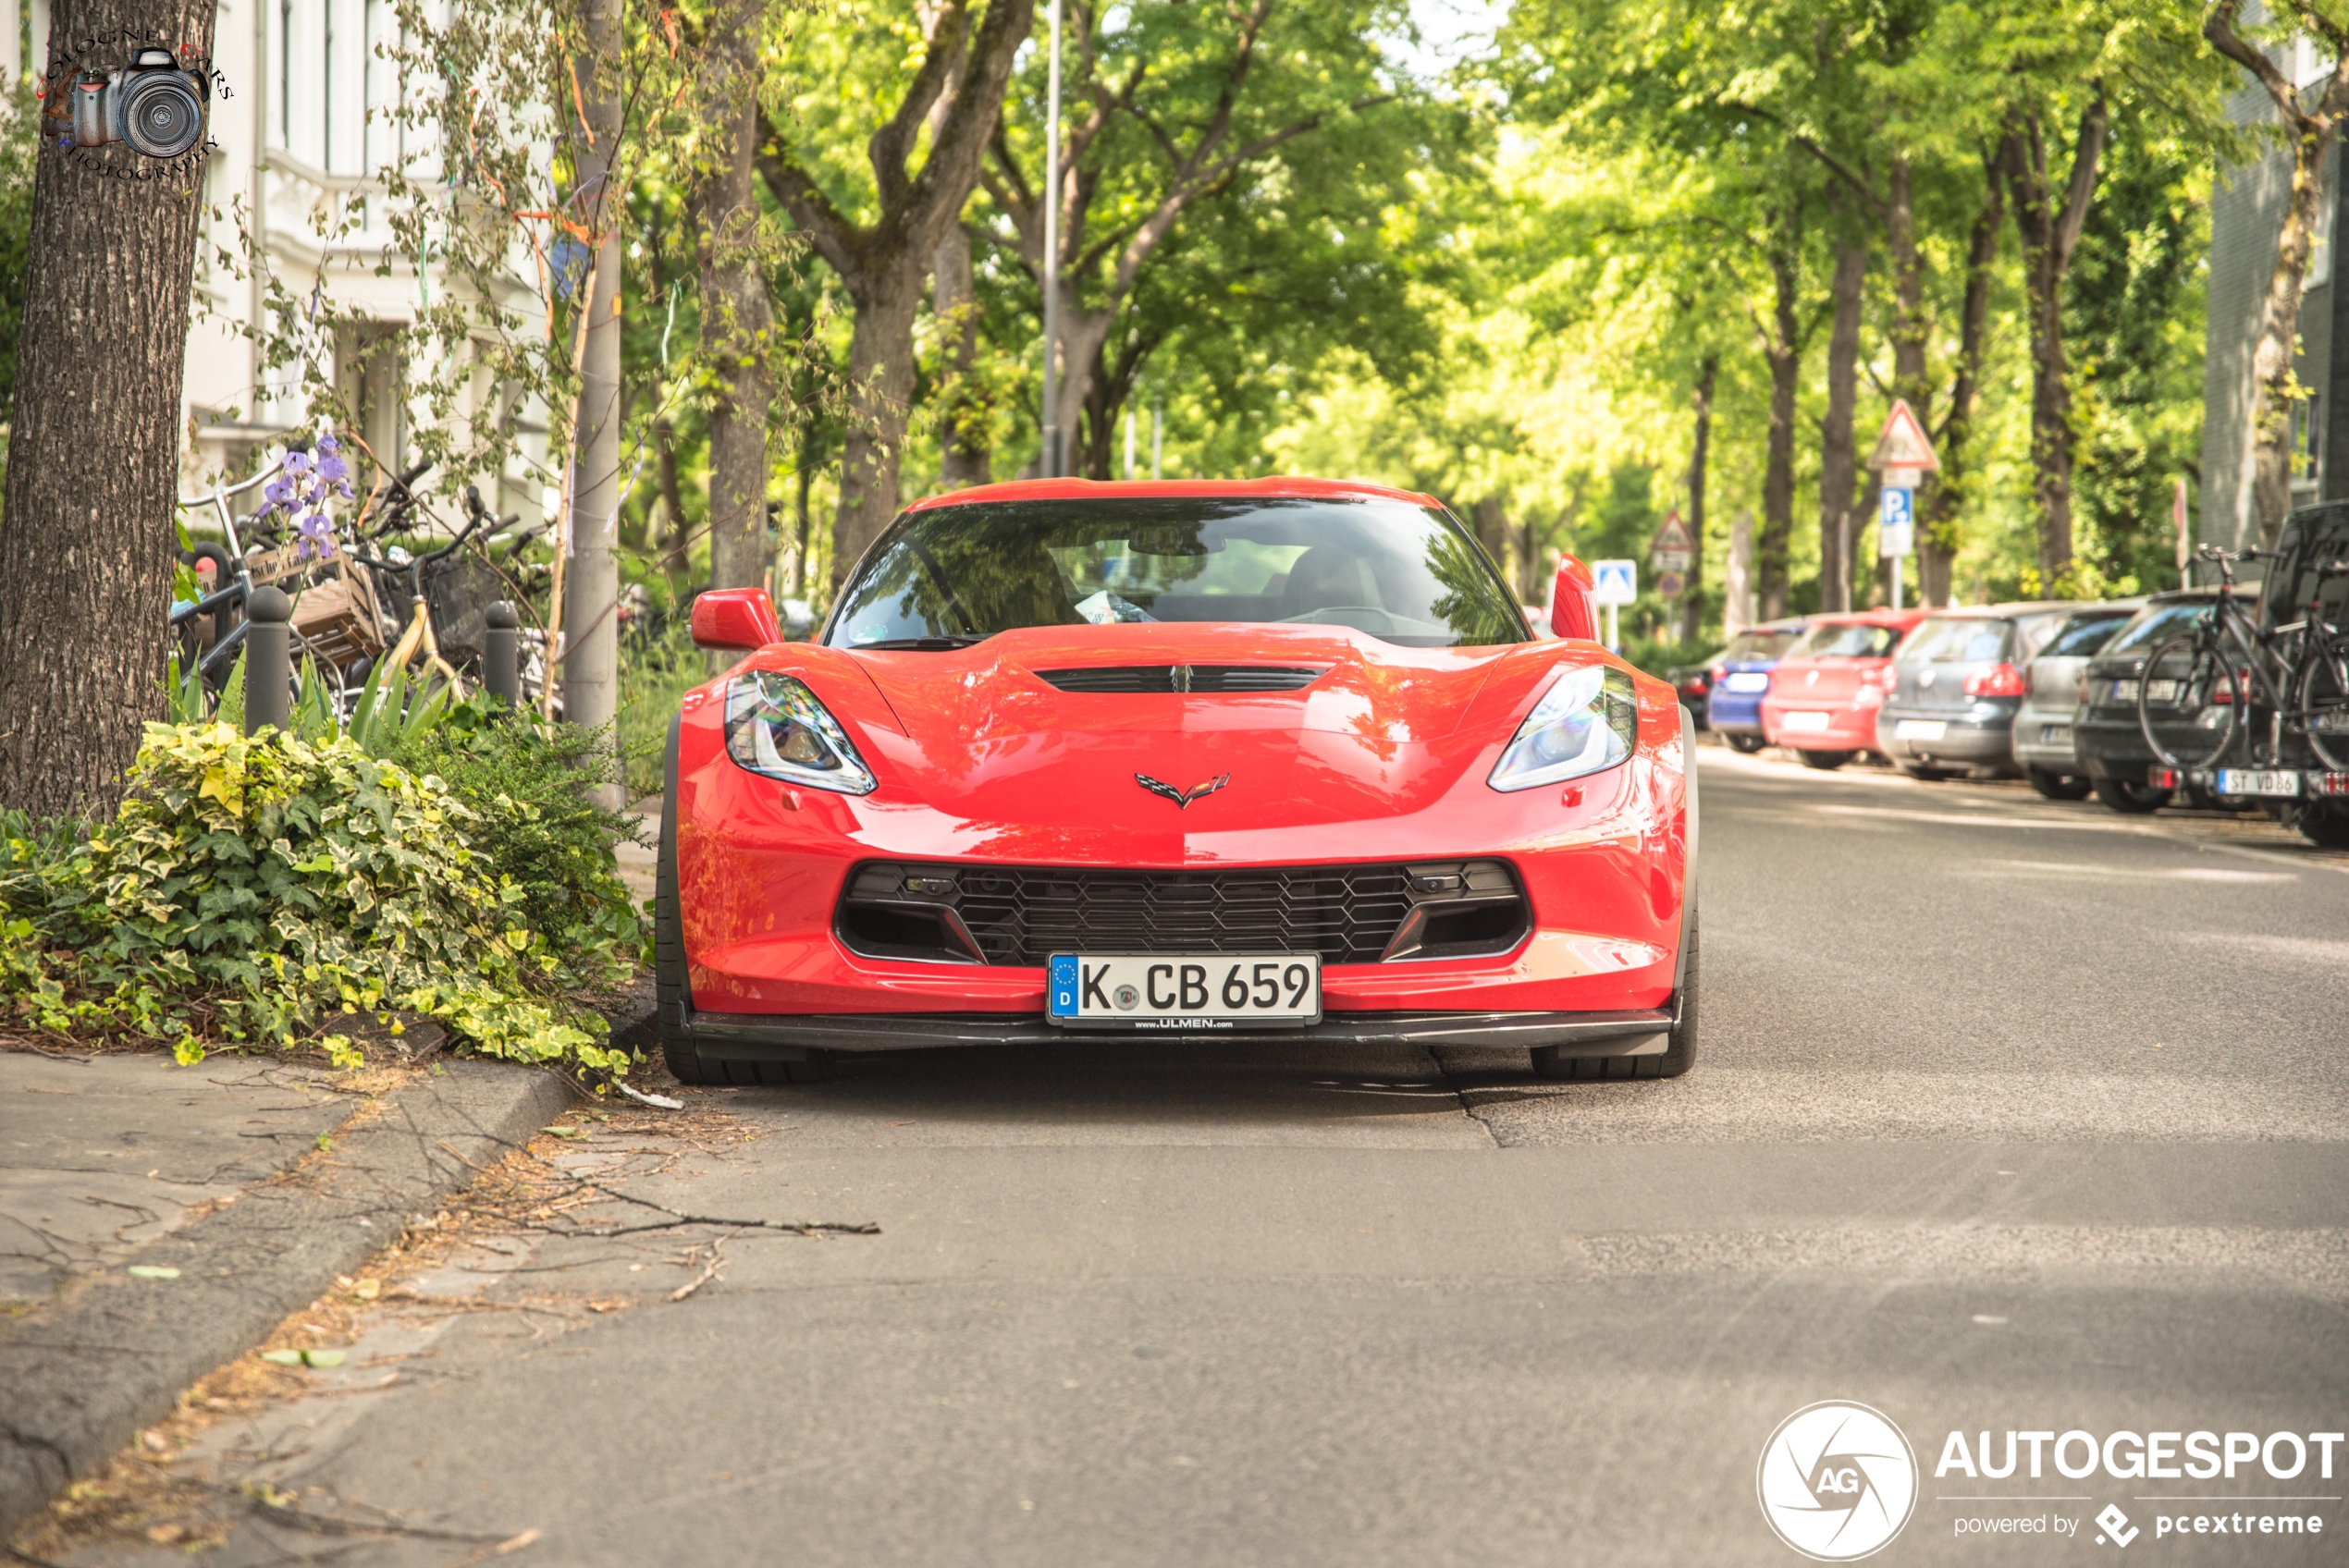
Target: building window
<point>2308,459</point>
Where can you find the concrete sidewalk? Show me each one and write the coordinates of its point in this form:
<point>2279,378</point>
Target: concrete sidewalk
<point>238,1189</point>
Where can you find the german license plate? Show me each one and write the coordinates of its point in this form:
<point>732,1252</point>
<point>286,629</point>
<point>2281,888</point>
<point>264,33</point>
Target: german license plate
<point>1165,991</point>
<point>1920,729</point>
<point>2258,781</point>
<point>2163,691</point>
<point>1802,722</point>
<point>2125,691</point>
<point>2055,734</point>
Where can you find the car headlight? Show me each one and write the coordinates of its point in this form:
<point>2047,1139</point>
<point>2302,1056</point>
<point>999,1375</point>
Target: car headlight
<point>1589,721</point>
<point>775,727</point>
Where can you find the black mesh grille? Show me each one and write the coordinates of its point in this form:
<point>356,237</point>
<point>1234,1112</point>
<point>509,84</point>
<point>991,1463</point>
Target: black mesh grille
<point>1223,679</point>
<point>1022,915</point>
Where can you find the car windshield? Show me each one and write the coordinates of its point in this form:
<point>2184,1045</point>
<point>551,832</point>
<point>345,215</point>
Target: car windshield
<point>1959,640</point>
<point>1758,646</point>
<point>1859,642</point>
<point>2083,635</point>
<point>1402,574</point>
<point>2159,621</point>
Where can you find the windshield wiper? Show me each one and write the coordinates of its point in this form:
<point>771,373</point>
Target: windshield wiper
<point>916,645</point>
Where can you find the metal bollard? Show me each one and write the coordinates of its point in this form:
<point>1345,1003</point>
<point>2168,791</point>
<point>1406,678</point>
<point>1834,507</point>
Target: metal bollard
<point>501,654</point>
<point>268,679</point>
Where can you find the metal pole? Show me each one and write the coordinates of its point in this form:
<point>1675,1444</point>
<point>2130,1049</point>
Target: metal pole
<point>1613,645</point>
<point>501,654</point>
<point>1896,585</point>
<point>1048,465</point>
<point>268,679</point>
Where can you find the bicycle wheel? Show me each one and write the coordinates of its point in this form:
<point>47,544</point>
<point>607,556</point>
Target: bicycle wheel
<point>2321,695</point>
<point>2187,701</point>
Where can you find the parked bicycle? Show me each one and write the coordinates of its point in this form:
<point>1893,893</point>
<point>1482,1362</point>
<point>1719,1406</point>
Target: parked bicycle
<point>2202,687</point>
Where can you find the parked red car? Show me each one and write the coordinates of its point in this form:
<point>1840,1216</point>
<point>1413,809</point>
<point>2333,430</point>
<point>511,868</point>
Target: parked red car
<point>1825,693</point>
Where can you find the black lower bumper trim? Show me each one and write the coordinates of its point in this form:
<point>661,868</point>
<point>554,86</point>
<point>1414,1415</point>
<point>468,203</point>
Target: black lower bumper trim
<point>732,1036</point>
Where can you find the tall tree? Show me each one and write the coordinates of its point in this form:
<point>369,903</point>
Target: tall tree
<point>737,318</point>
<point>1175,102</point>
<point>2312,123</point>
<point>884,263</point>
<point>2050,204</point>
<point>87,531</point>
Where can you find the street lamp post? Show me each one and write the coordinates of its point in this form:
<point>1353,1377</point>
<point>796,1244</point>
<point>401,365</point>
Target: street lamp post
<point>1048,465</point>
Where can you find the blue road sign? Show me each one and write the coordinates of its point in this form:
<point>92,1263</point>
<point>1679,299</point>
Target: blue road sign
<point>1614,582</point>
<point>1900,510</point>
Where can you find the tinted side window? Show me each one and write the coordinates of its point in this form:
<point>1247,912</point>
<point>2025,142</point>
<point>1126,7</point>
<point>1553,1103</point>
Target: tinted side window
<point>2153,625</point>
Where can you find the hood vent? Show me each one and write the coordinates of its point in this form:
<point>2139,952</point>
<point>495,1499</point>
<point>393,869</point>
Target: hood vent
<point>1224,679</point>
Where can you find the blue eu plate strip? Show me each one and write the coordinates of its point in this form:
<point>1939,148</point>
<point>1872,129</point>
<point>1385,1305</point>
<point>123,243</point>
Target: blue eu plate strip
<point>1061,989</point>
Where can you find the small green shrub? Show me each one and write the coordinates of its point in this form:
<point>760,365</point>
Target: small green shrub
<point>536,822</point>
<point>252,887</point>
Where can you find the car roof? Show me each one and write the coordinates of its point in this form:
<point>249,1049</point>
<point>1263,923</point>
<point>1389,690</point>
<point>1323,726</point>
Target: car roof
<point>1878,617</point>
<point>1273,487</point>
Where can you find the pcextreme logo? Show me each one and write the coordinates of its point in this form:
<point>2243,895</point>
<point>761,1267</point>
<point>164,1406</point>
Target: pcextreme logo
<point>1838,1481</point>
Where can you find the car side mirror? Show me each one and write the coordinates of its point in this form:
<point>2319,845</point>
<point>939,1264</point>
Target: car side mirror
<point>735,618</point>
<point>1572,612</point>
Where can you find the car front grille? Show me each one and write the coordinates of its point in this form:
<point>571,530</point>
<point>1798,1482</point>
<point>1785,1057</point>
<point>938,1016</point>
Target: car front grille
<point>1021,915</point>
<point>1218,679</point>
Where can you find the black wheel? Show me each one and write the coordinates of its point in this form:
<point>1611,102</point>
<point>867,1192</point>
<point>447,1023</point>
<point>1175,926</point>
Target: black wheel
<point>1678,1057</point>
<point>1741,740</point>
<point>2322,698</point>
<point>2187,692</point>
<point>671,995</point>
<point>2131,799</point>
<point>2326,828</point>
<point>1825,762</point>
<point>2058,786</point>
<point>1928,775</point>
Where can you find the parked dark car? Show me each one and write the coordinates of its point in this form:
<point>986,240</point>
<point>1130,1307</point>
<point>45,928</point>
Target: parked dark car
<point>2111,747</point>
<point>2051,687</point>
<point>1693,683</point>
<point>1957,683</point>
<point>1741,675</point>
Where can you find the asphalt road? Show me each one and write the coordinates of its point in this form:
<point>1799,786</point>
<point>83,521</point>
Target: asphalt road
<point>2011,1116</point>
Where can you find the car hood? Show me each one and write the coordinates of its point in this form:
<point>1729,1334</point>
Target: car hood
<point>1381,731</point>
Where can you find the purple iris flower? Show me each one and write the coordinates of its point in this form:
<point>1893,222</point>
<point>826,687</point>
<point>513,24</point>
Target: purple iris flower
<point>331,468</point>
<point>297,462</point>
<point>317,532</point>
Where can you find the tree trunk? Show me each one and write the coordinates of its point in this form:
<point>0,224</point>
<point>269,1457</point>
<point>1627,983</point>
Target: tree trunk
<point>1493,532</point>
<point>2049,235</point>
<point>1782,348</point>
<point>737,321</point>
<point>880,386</point>
<point>1839,464</point>
<point>591,578</point>
<point>806,483</point>
<point>1692,595</point>
<point>964,456</point>
<point>87,531</point>
<point>1910,377</point>
<point>1946,491</point>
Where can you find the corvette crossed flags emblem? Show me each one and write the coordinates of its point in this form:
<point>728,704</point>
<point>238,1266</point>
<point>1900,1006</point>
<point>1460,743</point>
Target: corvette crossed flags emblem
<point>1182,797</point>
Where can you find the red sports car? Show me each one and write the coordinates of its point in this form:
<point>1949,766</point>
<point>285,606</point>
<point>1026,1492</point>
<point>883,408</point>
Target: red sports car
<point>1274,757</point>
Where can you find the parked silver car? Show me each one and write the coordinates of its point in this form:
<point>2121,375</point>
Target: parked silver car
<point>1957,685</point>
<point>2043,740</point>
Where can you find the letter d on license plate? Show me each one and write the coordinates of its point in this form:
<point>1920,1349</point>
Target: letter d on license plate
<point>1167,991</point>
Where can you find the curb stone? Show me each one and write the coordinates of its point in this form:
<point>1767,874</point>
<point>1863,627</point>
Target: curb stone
<point>75,1387</point>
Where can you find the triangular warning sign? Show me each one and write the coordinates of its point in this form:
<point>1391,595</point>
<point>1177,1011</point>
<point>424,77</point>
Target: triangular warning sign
<point>1902,444</point>
<point>1673,534</point>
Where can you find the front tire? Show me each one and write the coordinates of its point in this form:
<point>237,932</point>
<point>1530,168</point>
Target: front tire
<point>2059,786</point>
<point>1825,762</point>
<point>1678,1057</point>
<point>2131,799</point>
<point>1742,743</point>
